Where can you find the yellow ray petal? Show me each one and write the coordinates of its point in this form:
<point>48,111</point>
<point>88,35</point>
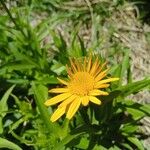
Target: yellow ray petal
<point>62,81</point>
<point>89,64</point>
<point>85,100</point>
<point>67,101</point>
<point>78,65</point>
<point>57,114</point>
<point>106,81</point>
<point>57,99</point>
<point>69,71</point>
<point>74,106</point>
<point>94,100</point>
<point>103,65</point>
<point>100,68</point>
<point>84,64</point>
<point>94,67</point>
<point>59,90</point>
<point>102,86</point>
<point>73,67</point>
<point>97,92</point>
<point>101,75</point>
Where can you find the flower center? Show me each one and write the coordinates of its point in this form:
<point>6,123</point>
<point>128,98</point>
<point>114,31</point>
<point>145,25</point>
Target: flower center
<point>81,83</point>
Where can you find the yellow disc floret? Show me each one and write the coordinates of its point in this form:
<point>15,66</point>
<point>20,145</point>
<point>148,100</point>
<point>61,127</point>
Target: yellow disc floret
<point>81,83</point>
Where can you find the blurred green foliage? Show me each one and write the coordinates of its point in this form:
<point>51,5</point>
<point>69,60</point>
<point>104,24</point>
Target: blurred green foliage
<point>34,50</point>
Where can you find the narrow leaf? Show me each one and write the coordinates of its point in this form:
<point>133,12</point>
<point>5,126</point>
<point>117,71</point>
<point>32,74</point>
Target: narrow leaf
<point>3,106</point>
<point>132,88</point>
<point>7,144</point>
<point>136,142</point>
<point>124,66</point>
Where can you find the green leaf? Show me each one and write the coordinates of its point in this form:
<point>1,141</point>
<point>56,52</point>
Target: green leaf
<point>57,67</point>
<point>136,114</point>
<point>3,106</point>
<point>7,144</point>
<point>124,66</point>
<point>127,146</point>
<point>20,56</point>
<point>99,147</point>
<point>42,31</point>
<point>59,42</point>
<point>137,110</point>
<point>83,144</point>
<point>136,142</point>
<point>66,140</point>
<point>132,88</point>
<point>16,124</point>
<point>17,66</point>
<point>75,134</point>
<point>76,49</point>
<point>47,80</point>
<point>3,102</point>
<point>114,148</point>
<point>115,70</point>
<point>18,81</point>
<point>41,94</point>
<point>145,108</point>
<point>83,49</point>
<point>129,128</point>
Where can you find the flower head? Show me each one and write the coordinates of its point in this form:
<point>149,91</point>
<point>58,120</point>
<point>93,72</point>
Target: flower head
<point>85,81</point>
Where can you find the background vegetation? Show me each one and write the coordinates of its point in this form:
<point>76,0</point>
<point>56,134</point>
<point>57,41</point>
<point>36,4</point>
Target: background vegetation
<point>38,38</point>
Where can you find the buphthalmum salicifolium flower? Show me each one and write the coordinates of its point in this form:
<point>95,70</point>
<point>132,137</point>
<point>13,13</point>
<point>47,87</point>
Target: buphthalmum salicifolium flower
<point>86,79</point>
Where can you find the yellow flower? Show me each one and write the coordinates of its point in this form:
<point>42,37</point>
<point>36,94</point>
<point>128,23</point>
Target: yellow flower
<point>84,84</point>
